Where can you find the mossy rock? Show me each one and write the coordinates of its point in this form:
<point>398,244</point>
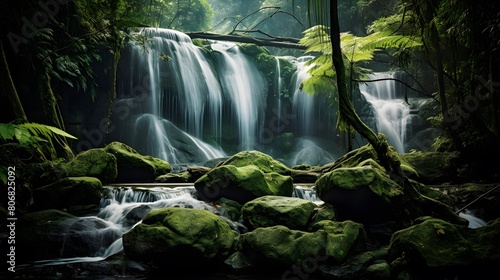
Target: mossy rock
<point>180,237</point>
<point>71,193</point>
<point>242,184</point>
<point>93,163</point>
<point>330,242</point>
<point>134,167</point>
<point>343,238</point>
<point>363,194</point>
<point>269,210</point>
<point>263,161</point>
<point>434,167</point>
<point>367,155</point>
<point>436,246</point>
<point>279,245</point>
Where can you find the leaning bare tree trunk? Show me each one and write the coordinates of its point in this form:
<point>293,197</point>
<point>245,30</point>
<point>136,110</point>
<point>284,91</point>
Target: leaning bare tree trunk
<point>7,85</point>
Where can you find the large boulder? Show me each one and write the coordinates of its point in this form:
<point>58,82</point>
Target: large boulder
<point>330,242</point>
<point>434,167</point>
<point>268,211</point>
<point>242,184</point>
<point>262,161</point>
<point>93,163</point>
<point>435,248</point>
<point>134,167</point>
<point>180,237</point>
<point>363,194</point>
<point>72,193</point>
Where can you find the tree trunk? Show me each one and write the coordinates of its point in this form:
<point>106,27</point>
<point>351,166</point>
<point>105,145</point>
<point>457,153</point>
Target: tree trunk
<point>347,112</point>
<point>7,86</point>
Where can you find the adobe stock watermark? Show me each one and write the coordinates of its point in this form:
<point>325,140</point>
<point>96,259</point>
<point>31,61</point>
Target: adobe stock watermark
<point>305,268</point>
<point>30,28</point>
<point>471,103</point>
<point>277,124</point>
<point>11,218</point>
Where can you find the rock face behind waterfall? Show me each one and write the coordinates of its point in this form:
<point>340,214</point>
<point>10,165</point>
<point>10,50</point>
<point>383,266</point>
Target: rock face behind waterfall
<point>180,236</point>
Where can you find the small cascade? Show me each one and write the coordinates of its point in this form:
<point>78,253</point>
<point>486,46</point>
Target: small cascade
<point>122,209</point>
<point>279,86</point>
<point>391,113</point>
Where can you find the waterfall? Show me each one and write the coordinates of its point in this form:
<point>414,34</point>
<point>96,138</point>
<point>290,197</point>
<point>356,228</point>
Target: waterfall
<point>178,88</point>
<point>303,103</point>
<point>391,113</point>
<point>244,85</point>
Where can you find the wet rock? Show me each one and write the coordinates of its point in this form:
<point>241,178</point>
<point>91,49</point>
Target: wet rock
<point>134,167</point>
<point>242,184</point>
<point>180,237</point>
<point>363,194</point>
<point>438,248</point>
<point>267,211</point>
<point>93,163</point>
<point>51,234</point>
<point>262,161</point>
<point>72,193</point>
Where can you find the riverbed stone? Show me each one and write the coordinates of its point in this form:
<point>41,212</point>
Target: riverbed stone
<point>242,184</point>
<point>330,242</point>
<point>270,210</point>
<point>434,247</point>
<point>93,163</point>
<point>363,194</point>
<point>72,193</point>
<point>180,237</point>
<point>135,167</point>
<point>261,160</point>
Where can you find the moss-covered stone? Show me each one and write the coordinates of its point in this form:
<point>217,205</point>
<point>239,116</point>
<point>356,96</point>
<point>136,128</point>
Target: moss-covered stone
<point>93,163</point>
<point>434,245</point>
<point>269,210</point>
<point>366,155</point>
<point>280,245</point>
<point>180,236</point>
<point>71,193</point>
<point>433,167</point>
<point>134,167</point>
<point>343,238</point>
<point>363,194</point>
<point>262,161</point>
<point>242,184</point>
<point>331,242</point>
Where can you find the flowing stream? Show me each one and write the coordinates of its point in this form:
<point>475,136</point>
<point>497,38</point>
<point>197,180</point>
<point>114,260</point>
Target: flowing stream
<point>126,205</point>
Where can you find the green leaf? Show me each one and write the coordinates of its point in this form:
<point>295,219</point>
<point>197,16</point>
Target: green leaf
<point>7,131</point>
<point>3,174</point>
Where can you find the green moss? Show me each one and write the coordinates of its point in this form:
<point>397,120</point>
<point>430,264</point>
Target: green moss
<point>94,163</point>
<point>179,234</point>
<point>266,211</point>
<point>262,161</point>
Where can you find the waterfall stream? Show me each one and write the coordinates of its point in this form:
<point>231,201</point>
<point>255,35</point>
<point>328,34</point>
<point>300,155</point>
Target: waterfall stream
<point>390,111</point>
<point>125,206</point>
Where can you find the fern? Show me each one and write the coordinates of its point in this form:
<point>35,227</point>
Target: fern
<point>355,49</point>
<point>38,137</point>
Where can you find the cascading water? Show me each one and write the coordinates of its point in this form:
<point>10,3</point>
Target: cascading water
<point>303,103</point>
<point>180,88</point>
<point>125,206</point>
<point>244,85</point>
<point>391,113</point>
